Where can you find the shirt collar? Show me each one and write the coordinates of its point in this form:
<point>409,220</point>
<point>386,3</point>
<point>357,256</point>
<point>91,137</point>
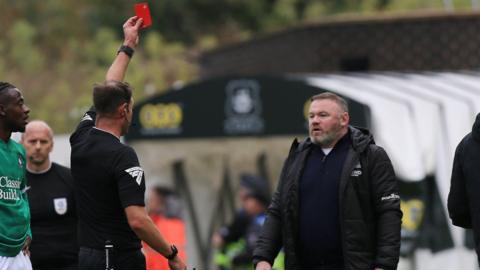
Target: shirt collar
<point>104,131</point>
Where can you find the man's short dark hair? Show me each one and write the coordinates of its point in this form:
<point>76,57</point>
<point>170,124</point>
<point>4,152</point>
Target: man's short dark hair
<point>6,86</point>
<point>333,97</point>
<point>108,95</point>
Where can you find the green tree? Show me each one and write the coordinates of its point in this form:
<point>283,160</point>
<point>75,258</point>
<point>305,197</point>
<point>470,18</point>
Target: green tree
<point>54,51</point>
<point>22,50</point>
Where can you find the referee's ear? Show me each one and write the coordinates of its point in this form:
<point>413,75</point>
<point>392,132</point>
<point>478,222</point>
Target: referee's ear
<point>123,110</point>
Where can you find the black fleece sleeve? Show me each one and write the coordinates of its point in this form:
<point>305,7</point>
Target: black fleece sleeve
<point>270,241</point>
<point>458,204</point>
<point>387,208</point>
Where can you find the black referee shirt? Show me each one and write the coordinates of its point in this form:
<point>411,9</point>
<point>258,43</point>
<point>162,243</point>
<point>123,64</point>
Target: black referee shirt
<point>107,179</point>
<point>54,218</point>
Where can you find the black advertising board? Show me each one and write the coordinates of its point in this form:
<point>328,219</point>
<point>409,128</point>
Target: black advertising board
<point>232,107</point>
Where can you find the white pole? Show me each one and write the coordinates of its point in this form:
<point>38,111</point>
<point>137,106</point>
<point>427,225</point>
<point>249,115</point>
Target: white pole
<point>475,5</point>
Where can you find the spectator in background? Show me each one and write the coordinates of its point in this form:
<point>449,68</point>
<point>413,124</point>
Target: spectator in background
<point>238,239</point>
<point>164,208</point>
<point>52,203</point>
<point>463,202</point>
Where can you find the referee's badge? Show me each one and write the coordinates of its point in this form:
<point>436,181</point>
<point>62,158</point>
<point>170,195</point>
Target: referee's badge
<point>136,173</point>
<point>61,205</point>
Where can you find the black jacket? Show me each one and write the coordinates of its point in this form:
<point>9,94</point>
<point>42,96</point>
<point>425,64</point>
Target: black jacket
<point>369,203</point>
<point>463,199</point>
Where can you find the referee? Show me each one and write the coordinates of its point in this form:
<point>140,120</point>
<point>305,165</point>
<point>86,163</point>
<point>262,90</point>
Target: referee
<point>109,182</point>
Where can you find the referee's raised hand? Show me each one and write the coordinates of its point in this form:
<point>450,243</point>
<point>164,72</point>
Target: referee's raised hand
<point>131,29</point>
<point>176,264</point>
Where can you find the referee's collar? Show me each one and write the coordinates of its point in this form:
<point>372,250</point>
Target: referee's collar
<point>107,132</point>
<point>40,172</point>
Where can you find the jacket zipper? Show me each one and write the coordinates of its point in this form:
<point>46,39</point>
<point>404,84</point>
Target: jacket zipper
<point>352,156</point>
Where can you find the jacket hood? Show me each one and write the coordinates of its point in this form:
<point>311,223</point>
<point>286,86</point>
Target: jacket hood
<point>476,128</point>
<point>360,138</point>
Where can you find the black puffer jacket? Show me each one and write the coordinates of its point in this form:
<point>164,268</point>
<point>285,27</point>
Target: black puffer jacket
<point>370,214</point>
<point>463,199</point>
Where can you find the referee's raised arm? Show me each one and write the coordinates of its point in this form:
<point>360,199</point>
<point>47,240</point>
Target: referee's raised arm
<point>136,215</point>
<point>131,29</point>
<point>108,178</point>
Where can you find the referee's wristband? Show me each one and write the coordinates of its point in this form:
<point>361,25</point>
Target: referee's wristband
<point>127,50</point>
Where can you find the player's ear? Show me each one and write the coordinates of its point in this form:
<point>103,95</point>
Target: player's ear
<point>2,110</point>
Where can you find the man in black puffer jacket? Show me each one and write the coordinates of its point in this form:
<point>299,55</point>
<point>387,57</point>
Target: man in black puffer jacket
<point>463,202</point>
<point>337,205</point>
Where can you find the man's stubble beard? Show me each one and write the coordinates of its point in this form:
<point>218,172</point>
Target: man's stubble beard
<point>328,138</point>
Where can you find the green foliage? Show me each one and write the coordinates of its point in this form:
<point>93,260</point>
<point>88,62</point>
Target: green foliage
<point>2,60</point>
<point>431,4</point>
<point>99,51</point>
<point>22,49</point>
<point>54,51</point>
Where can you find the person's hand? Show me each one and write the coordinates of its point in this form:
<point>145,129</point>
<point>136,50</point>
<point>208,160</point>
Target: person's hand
<point>263,265</point>
<point>376,268</point>
<point>26,246</point>
<point>131,29</point>
<point>176,264</point>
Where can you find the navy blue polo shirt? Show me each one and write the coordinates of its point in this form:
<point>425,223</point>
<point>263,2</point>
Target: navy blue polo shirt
<point>319,226</point>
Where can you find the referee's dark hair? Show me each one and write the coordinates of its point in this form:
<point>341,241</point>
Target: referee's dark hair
<point>108,95</point>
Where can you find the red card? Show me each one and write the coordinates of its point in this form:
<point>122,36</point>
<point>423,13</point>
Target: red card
<point>142,11</point>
